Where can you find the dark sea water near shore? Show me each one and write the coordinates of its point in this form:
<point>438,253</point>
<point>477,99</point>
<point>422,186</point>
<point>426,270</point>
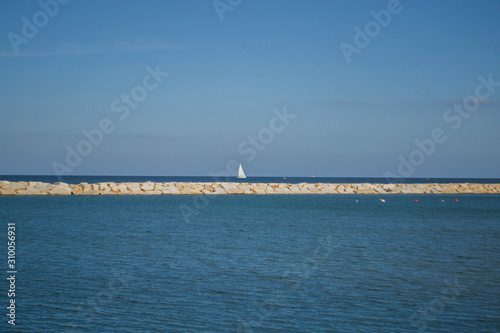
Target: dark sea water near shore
<point>301,263</point>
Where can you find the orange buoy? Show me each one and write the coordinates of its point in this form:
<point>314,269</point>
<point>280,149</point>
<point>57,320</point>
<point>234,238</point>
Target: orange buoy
<point>456,200</point>
<point>416,200</point>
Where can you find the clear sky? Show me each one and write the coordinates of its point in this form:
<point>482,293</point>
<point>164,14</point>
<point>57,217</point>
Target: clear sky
<point>353,93</point>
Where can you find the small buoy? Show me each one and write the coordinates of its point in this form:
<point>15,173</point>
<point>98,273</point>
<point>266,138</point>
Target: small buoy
<point>456,200</point>
<point>416,200</point>
<point>442,200</point>
<point>357,200</point>
<point>382,200</point>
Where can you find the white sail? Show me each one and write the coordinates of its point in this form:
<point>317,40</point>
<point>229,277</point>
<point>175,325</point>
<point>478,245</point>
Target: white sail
<point>241,174</point>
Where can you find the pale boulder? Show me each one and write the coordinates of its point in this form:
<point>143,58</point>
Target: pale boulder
<point>18,186</point>
<point>91,192</point>
<point>76,189</point>
<point>125,191</point>
<point>153,192</point>
<point>24,192</point>
<point>60,190</point>
<point>191,191</point>
<point>234,190</point>
<point>34,190</point>
<point>171,191</point>
<point>7,192</point>
<point>227,186</point>
<point>148,186</point>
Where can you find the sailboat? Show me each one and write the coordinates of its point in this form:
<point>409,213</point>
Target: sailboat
<point>241,174</point>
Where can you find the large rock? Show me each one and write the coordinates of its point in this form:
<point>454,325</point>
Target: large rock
<point>349,190</point>
<point>198,186</point>
<point>364,191</point>
<point>490,189</point>
<point>61,190</point>
<point>7,192</point>
<point>35,191</point>
<point>113,187</point>
<point>171,191</point>
<point>227,186</point>
<point>380,190</point>
<point>219,191</point>
<point>270,190</point>
<point>328,190</point>
<point>91,192</point>
<point>170,186</point>
<point>234,190</point>
<point>18,186</point>
<point>121,187</point>
<point>310,188</point>
<point>213,191</point>
<point>153,192</point>
<point>189,190</point>
<point>133,186</point>
<point>24,192</point>
<point>44,186</point>
<point>85,187</point>
<point>245,187</point>
<point>388,187</point>
<point>76,189</point>
<point>260,187</point>
<point>408,190</point>
<point>148,186</point>
<point>449,189</point>
<point>107,191</point>
<point>103,187</point>
<point>393,190</point>
<point>160,187</point>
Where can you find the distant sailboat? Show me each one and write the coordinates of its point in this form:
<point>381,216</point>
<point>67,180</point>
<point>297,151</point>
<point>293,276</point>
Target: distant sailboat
<point>241,174</point>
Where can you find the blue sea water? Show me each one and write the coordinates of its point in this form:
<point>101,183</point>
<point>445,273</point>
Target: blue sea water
<point>301,263</point>
<point>75,179</point>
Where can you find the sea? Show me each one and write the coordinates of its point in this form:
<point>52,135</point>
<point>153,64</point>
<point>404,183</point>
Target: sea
<point>75,179</point>
<point>262,263</point>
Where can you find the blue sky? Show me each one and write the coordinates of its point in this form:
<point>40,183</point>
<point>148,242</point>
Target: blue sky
<point>358,118</point>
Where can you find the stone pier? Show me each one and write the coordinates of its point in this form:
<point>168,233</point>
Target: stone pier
<point>217,188</point>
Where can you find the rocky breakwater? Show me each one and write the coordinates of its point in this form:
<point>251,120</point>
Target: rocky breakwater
<point>215,188</point>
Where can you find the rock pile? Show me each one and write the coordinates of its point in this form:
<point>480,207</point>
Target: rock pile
<point>215,188</point>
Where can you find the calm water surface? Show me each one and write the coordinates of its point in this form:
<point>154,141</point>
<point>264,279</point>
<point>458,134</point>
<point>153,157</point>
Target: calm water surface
<point>255,263</point>
<point>71,179</point>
